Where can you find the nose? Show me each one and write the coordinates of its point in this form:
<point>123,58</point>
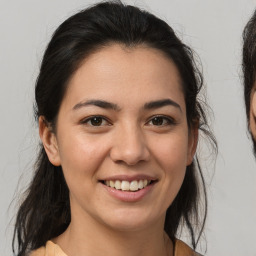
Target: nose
<point>130,147</point>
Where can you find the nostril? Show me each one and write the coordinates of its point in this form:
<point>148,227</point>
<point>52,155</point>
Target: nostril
<point>129,161</point>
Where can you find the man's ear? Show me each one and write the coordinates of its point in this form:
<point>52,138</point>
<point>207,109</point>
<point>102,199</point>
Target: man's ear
<point>192,143</point>
<point>253,115</point>
<point>49,141</point>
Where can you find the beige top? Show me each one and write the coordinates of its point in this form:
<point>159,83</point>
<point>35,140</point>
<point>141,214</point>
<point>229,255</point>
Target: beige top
<point>51,249</point>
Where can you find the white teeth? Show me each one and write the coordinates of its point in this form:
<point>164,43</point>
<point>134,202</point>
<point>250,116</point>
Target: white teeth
<point>134,185</point>
<point>118,184</point>
<point>111,183</point>
<point>125,185</point>
<point>141,184</point>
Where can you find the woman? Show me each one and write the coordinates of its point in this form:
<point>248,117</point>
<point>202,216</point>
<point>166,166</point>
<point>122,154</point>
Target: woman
<point>118,112</point>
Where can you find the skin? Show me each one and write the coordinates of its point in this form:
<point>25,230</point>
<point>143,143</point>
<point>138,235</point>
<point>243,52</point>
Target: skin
<point>128,141</point>
<point>253,113</point>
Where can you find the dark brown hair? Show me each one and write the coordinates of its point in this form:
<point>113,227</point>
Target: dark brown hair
<point>249,65</point>
<point>45,212</point>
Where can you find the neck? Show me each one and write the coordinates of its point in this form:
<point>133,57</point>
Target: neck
<point>94,239</point>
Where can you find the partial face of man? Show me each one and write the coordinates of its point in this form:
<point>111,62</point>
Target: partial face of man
<point>252,117</point>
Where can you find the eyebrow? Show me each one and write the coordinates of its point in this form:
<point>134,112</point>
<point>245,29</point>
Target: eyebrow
<point>98,103</point>
<point>109,105</point>
<point>162,103</point>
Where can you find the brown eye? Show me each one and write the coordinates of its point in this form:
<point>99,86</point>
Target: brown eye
<point>96,121</point>
<point>161,121</point>
<point>158,120</point>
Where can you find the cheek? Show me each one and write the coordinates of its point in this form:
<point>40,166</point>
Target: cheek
<point>253,104</point>
<point>81,157</point>
<point>172,152</point>
<point>172,156</point>
<point>253,115</point>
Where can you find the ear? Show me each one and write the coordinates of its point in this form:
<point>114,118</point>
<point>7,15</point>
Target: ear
<point>192,143</point>
<point>49,141</point>
<point>253,114</point>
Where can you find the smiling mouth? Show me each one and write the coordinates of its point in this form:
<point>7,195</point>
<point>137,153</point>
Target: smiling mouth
<point>125,185</point>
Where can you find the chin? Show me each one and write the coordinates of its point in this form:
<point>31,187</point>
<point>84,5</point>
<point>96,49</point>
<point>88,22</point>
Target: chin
<point>131,220</point>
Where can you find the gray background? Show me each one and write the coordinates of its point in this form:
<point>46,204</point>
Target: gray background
<point>213,29</point>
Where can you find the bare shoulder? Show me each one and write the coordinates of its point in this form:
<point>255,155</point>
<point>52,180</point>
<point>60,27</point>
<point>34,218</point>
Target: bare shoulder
<point>38,252</point>
<point>182,249</point>
<point>50,249</point>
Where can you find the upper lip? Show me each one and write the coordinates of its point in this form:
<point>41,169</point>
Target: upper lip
<point>130,177</point>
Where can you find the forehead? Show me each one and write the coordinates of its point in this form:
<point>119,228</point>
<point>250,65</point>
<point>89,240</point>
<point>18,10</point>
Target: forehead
<point>118,70</point>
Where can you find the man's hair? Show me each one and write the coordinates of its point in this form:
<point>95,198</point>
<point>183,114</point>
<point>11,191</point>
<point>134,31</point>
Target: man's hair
<point>249,65</point>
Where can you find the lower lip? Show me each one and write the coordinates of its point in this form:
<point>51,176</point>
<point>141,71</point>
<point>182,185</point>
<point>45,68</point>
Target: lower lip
<point>128,196</point>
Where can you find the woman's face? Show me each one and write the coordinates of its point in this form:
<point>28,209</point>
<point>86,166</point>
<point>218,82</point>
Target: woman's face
<point>122,138</point>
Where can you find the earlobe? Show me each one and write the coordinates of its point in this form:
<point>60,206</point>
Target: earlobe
<point>192,144</point>
<point>49,141</point>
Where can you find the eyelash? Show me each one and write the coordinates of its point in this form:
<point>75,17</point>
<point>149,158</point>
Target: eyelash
<point>91,118</point>
<point>168,120</point>
<point>165,121</point>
